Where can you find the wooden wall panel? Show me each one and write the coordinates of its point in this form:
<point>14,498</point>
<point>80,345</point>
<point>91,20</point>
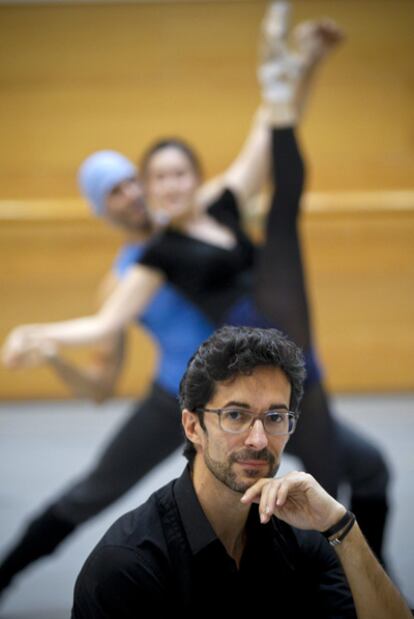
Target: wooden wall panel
<point>360,264</point>
<point>79,77</point>
<point>361,274</point>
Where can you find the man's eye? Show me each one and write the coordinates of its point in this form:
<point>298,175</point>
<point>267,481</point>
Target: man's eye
<point>234,415</point>
<point>276,418</point>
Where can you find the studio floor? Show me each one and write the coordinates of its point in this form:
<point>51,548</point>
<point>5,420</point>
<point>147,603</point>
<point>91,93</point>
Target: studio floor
<point>44,445</point>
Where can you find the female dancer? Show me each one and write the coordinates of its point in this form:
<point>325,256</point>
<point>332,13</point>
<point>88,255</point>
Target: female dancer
<point>218,284</point>
<point>214,277</point>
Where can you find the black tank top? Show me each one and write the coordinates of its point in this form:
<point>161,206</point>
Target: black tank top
<point>210,276</point>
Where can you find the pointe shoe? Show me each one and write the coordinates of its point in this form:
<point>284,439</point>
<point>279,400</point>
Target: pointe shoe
<point>275,27</point>
<point>285,73</point>
<point>278,66</point>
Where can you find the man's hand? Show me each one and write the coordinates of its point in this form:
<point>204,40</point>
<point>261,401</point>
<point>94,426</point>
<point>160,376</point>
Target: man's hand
<point>296,498</point>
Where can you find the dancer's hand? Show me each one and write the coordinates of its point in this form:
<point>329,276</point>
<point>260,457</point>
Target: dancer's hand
<point>315,39</point>
<point>26,347</point>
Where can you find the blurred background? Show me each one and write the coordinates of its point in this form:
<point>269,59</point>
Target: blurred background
<point>76,77</point>
<point>80,76</point>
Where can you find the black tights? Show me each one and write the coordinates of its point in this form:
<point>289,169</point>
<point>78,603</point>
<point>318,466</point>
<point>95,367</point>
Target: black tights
<point>330,450</point>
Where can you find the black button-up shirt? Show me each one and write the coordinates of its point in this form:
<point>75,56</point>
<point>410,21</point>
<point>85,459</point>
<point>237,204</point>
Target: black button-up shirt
<point>165,555</point>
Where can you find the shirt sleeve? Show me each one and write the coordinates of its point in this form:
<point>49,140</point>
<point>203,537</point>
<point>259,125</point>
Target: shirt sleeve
<point>226,209</point>
<point>335,597</point>
<point>116,583</point>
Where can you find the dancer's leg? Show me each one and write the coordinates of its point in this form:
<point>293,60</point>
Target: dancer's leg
<point>280,283</point>
<point>365,469</point>
<point>151,433</point>
<point>286,77</point>
<point>281,269</point>
<point>336,452</point>
<point>320,454</point>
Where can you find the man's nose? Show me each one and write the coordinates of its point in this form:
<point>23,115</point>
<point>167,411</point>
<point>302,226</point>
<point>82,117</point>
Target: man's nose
<point>257,437</point>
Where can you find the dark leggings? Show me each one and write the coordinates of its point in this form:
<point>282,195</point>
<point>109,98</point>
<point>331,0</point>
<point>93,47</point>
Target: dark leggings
<point>150,434</point>
<point>330,450</point>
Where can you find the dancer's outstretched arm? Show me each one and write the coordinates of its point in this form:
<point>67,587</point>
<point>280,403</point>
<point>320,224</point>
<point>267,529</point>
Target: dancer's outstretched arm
<point>249,171</point>
<point>128,300</point>
<point>95,381</point>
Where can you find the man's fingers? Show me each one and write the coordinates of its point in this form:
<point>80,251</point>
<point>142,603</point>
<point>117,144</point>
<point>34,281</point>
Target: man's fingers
<point>282,494</point>
<point>254,491</point>
<point>268,500</point>
<point>274,496</point>
<point>269,494</point>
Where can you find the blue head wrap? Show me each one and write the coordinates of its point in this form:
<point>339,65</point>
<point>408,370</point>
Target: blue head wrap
<point>99,174</point>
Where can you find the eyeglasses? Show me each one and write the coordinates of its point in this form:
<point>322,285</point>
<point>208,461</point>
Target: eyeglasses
<point>238,420</point>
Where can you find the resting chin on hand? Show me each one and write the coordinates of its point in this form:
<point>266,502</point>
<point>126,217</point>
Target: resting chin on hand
<point>296,498</point>
<point>299,500</point>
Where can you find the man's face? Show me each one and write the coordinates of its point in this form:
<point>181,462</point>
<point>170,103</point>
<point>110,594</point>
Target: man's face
<point>126,208</point>
<point>239,460</point>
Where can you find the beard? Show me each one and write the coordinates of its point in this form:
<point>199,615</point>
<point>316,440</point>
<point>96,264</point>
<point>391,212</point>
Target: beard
<point>225,473</point>
<point>135,218</point>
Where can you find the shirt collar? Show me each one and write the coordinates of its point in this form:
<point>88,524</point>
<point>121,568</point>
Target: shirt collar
<point>197,527</point>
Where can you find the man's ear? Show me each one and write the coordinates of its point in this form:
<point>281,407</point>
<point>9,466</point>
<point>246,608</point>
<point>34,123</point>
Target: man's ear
<point>191,425</point>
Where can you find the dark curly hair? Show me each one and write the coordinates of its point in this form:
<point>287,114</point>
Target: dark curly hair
<point>232,351</point>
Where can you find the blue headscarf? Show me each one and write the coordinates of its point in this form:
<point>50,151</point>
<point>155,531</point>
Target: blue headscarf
<point>99,174</point>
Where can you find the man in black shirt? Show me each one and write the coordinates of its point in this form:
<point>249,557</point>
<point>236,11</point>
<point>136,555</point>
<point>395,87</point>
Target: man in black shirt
<point>228,535</point>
